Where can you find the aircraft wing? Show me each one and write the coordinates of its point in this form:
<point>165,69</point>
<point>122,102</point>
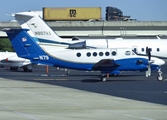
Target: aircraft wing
<point>105,64</point>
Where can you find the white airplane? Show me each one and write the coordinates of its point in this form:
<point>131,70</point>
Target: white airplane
<point>11,60</point>
<point>48,39</point>
<point>107,60</point>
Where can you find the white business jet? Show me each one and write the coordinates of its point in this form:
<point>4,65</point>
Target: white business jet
<point>107,60</point>
<point>48,39</point>
<point>11,60</point>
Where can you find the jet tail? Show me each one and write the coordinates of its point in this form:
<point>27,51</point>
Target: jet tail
<point>38,28</point>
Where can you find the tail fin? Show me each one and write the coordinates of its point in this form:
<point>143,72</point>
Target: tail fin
<point>23,44</point>
<point>38,28</point>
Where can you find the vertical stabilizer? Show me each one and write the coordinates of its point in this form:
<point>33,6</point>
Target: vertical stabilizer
<point>38,28</point>
<point>23,44</point>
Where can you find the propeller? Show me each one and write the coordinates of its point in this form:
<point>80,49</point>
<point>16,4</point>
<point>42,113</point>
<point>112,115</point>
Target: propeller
<point>148,52</point>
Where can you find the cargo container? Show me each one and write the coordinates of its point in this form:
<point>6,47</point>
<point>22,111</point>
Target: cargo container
<point>72,14</point>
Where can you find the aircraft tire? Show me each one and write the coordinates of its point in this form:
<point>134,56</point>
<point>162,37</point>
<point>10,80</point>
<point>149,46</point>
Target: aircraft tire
<point>25,69</point>
<point>159,78</point>
<point>11,68</point>
<point>29,70</point>
<point>103,78</point>
<point>14,68</point>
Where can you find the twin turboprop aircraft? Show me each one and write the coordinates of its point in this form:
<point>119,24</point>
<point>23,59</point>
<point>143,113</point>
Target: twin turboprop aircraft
<point>48,39</point>
<point>107,60</point>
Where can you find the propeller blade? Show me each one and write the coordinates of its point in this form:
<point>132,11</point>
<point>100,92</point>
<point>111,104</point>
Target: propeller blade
<point>148,52</point>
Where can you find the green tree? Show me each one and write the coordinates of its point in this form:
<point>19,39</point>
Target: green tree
<point>5,45</point>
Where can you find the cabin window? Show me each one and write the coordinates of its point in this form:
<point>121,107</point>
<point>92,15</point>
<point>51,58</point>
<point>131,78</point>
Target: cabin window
<point>88,54</point>
<point>113,53</point>
<point>101,53</point>
<point>142,49</point>
<point>150,49</point>
<point>107,53</point>
<point>158,49</point>
<point>94,54</point>
<point>78,54</point>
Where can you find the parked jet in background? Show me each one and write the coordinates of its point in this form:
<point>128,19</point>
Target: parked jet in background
<point>48,39</point>
<point>11,60</point>
<point>104,60</point>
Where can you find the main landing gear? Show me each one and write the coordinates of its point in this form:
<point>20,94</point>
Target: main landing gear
<point>27,70</point>
<point>159,77</point>
<point>105,76</point>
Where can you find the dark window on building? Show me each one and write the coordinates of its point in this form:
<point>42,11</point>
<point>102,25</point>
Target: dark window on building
<point>100,53</point>
<point>88,54</point>
<point>94,54</point>
<point>107,53</point>
<point>78,54</point>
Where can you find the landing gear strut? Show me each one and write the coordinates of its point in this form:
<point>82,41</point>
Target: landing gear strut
<point>159,77</point>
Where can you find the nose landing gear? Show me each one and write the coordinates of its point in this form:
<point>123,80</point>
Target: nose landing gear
<point>159,77</point>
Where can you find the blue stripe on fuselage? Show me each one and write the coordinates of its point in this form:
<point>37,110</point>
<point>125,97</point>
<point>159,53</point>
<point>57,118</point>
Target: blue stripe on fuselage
<point>124,65</point>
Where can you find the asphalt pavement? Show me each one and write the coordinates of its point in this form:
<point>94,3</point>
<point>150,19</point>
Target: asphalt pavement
<point>81,95</point>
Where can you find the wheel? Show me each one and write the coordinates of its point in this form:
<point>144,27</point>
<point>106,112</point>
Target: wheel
<point>159,78</point>
<point>68,72</point>
<point>29,70</point>
<point>11,68</point>
<point>103,78</point>
<point>14,68</point>
<point>146,75</point>
<point>25,69</point>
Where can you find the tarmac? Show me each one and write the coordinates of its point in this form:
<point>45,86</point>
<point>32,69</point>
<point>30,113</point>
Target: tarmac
<point>81,96</point>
